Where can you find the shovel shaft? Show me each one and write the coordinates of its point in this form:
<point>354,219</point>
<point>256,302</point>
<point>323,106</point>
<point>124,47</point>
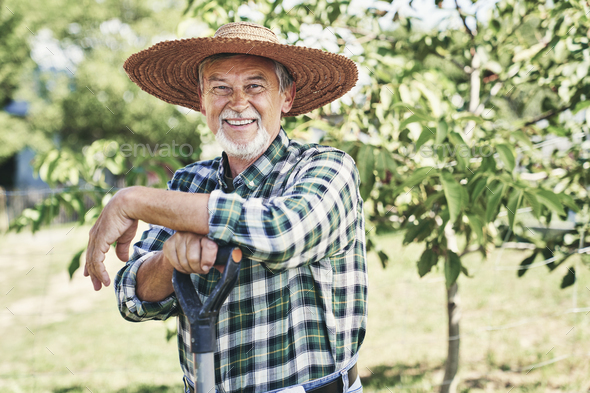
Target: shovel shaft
<point>205,372</point>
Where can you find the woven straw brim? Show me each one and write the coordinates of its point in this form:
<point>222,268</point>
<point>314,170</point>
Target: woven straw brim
<point>169,70</point>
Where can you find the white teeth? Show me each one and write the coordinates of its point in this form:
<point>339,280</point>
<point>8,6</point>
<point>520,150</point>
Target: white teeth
<point>240,122</point>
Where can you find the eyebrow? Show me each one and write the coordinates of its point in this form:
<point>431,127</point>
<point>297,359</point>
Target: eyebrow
<point>218,77</point>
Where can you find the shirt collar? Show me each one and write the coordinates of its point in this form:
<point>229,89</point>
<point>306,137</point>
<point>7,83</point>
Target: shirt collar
<point>263,166</point>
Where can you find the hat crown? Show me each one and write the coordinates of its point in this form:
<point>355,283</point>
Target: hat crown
<point>246,31</point>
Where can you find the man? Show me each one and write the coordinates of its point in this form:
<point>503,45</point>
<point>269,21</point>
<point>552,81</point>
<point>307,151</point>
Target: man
<point>297,315</point>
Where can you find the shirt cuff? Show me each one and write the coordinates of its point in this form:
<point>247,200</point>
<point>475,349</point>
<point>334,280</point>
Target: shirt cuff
<point>143,310</point>
<point>225,211</point>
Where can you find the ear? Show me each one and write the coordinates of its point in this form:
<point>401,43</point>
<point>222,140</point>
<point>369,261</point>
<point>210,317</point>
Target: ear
<point>202,108</point>
<point>289,99</point>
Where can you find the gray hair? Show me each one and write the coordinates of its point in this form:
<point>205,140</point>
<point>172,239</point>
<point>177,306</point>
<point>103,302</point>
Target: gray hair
<point>285,79</point>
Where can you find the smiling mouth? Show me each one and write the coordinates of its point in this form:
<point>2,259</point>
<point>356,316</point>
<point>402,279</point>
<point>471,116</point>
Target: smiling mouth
<point>239,122</point>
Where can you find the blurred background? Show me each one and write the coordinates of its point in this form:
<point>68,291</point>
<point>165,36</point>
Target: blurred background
<point>470,128</point>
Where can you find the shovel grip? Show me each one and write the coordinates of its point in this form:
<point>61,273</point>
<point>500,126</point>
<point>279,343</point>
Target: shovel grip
<point>203,317</point>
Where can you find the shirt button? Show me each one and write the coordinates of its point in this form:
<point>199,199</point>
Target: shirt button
<point>251,183</point>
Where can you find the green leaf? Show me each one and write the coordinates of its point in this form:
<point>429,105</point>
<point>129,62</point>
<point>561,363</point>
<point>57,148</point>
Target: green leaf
<point>453,194</point>
<point>551,201</point>
<point>488,164</point>
<point>506,156</point>
<point>425,136</point>
<point>569,202</point>
<point>478,188</point>
<point>75,263</point>
<point>452,268</point>
<point>431,199</point>
<point>384,162</point>
<point>418,232</point>
<point>465,271</point>
<point>456,138</point>
<point>383,257</point>
<point>581,105</point>
<point>521,137</point>
<point>548,254</point>
<point>415,178</point>
<point>366,164</point>
<point>513,205</point>
<point>426,262</point>
<point>476,226</point>
<point>334,12</point>
<point>493,201</point>
<point>525,264</point>
<point>441,132</point>
<point>351,148</point>
<point>569,279</point>
<point>533,203</point>
<point>412,119</point>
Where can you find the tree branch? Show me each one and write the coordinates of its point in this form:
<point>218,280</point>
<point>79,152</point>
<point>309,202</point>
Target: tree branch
<point>470,250</point>
<point>464,21</point>
<point>547,115</point>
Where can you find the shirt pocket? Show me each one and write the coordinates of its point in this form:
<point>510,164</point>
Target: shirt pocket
<point>263,293</point>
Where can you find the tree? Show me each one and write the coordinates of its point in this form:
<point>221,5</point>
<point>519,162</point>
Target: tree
<point>15,61</point>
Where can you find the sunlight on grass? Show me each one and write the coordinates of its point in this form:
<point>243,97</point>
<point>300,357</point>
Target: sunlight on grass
<point>61,336</point>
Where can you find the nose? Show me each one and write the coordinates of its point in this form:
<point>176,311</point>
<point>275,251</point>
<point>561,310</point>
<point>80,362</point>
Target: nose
<point>238,100</point>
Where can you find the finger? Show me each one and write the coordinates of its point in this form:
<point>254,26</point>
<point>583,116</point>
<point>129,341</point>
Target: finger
<point>209,253</point>
<point>169,250</point>
<point>96,283</point>
<point>95,255</point>
<point>124,242</point>
<point>97,270</point>
<point>181,254</point>
<point>194,254</point>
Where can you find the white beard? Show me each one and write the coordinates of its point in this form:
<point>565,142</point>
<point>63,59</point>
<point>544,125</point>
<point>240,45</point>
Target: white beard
<point>243,151</point>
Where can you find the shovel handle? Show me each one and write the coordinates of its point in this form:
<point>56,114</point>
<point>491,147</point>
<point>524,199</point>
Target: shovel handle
<point>202,317</point>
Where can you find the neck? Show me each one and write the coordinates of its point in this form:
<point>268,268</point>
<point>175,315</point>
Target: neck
<point>238,166</point>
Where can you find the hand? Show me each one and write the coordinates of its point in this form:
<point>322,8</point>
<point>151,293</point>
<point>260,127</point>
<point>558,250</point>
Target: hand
<point>190,253</point>
<point>113,225</point>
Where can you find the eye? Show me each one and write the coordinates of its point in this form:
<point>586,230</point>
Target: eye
<point>254,89</point>
<point>221,90</point>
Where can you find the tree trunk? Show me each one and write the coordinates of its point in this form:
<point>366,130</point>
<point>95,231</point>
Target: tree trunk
<point>450,380</point>
<point>3,211</point>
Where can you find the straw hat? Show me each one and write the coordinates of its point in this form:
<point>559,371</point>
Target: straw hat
<point>169,70</point>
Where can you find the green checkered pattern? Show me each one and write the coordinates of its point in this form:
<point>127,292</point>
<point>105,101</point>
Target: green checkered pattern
<point>298,311</point>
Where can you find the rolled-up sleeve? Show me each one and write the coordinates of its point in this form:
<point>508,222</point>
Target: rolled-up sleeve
<point>131,307</point>
<point>313,218</point>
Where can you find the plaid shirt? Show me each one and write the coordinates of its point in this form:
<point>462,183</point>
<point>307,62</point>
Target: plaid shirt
<point>298,311</point>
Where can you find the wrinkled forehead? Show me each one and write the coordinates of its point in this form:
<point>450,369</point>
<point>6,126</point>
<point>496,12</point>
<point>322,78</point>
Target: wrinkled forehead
<point>238,67</point>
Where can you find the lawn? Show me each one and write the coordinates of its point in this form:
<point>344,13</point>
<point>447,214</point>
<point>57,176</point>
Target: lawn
<point>517,335</point>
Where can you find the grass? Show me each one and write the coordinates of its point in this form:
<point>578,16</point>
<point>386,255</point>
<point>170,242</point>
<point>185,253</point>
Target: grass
<point>61,336</point>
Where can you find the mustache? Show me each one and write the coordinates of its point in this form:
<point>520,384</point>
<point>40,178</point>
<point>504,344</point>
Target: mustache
<point>249,113</point>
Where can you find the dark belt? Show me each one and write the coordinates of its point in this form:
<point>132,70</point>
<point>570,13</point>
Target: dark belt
<point>336,386</point>
<point>332,387</point>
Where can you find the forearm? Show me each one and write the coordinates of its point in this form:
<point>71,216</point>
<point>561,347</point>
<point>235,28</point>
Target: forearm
<point>180,211</point>
<point>154,279</point>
